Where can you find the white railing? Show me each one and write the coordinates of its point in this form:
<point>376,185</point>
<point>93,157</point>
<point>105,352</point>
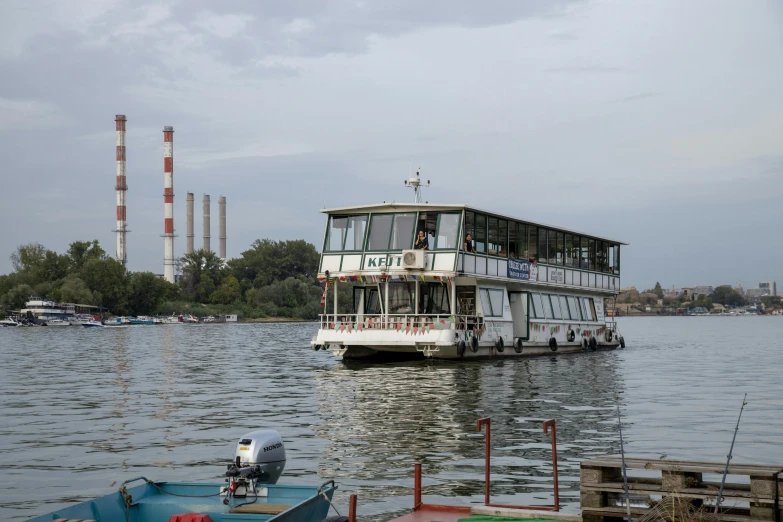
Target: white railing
<point>400,321</point>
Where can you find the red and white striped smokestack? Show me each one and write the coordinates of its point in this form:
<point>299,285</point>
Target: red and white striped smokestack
<point>121,187</point>
<point>168,203</point>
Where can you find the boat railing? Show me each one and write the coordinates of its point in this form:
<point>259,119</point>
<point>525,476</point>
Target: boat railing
<point>401,321</point>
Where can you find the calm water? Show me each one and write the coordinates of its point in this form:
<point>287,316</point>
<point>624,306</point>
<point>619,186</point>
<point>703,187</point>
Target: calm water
<point>84,409</point>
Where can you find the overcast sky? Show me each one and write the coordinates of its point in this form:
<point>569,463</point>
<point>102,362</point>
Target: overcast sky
<point>657,122</point>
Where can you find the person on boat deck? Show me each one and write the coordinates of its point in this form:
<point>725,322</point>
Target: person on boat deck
<point>422,243</point>
<point>468,246</point>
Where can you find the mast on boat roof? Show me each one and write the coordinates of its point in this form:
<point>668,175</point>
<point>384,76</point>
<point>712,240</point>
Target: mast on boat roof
<point>415,183</point>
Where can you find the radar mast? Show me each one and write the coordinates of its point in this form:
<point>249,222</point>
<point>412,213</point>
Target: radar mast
<point>415,183</point>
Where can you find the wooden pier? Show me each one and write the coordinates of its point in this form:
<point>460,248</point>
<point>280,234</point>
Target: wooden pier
<point>757,496</point>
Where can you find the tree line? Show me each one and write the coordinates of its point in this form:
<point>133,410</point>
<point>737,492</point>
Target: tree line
<point>271,278</point>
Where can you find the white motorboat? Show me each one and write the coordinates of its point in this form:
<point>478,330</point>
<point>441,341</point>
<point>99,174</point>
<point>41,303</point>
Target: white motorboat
<point>57,322</point>
<point>92,323</point>
<point>9,321</point>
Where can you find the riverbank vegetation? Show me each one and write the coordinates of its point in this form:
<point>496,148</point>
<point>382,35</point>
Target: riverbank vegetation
<point>270,279</point>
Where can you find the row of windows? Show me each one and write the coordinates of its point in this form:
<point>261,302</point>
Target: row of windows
<point>392,231</point>
<point>503,238</point>
<point>562,307</point>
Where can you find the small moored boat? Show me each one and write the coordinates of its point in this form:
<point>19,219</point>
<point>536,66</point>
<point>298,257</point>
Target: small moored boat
<point>251,494</point>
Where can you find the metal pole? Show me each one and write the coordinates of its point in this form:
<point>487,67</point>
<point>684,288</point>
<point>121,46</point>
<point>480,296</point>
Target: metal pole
<point>488,423</point>
<point>728,458</point>
<point>416,486</point>
<point>622,455</point>
<point>547,425</point>
<point>352,509</point>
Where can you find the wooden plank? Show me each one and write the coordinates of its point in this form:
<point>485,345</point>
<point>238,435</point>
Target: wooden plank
<point>729,495</point>
<point>619,512</point>
<point>687,466</point>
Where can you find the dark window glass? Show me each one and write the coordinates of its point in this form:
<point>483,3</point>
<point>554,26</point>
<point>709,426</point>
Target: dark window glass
<point>531,243</point>
<point>560,247</point>
<point>380,231</point>
<point>513,249</point>
<point>502,238</point>
<point>583,258</point>
<point>492,225</point>
<point>569,250</point>
<point>480,234</point>
<point>591,254</point>
<point>542,245</point>
<point>552,254</point>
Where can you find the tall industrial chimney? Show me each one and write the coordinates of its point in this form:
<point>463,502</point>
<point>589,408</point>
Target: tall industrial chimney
<point>189,202</point>
<point>206,223</point>
<point>121,187</point>
<point>168,203</point>
<point>222,225</point>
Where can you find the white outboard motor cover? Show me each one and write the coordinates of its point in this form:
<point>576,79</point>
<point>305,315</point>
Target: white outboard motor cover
<point>263,448</point>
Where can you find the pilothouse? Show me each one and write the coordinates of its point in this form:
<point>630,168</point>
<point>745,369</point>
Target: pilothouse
<point>453,281</point>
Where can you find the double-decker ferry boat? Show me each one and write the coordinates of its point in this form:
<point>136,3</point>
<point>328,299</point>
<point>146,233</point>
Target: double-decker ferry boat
<point>453,281</point>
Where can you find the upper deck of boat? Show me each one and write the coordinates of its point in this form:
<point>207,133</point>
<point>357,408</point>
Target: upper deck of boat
<point>366,242</point>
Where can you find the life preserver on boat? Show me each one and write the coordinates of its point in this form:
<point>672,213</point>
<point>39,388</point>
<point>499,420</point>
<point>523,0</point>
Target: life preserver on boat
<point>622,342</point>
<point>584,343</point>
<point>608,335</point>
<point>553,344</point>
<point>570,335</point>
<point>593,344</point>
<point>461,347</point>
<point>518,346</point>
<point>499,344</point>
<point>474,343</point>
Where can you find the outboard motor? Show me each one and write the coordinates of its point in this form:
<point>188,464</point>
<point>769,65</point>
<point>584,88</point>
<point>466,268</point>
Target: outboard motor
<point>259,458</point>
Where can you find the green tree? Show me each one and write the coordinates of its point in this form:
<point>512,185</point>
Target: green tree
<point>202,273</point>
<point>74,290</point>
<point>108,280</point>
<point>17,296</point>
<point>658,290</point>
<point>228,292</point>
<point>267,261</point>
<point>290,298</point>
<point>79,252</point>
<point>28,261</point>
<point>148,292</point>
<point>727,296</point>
<point>770,301</point>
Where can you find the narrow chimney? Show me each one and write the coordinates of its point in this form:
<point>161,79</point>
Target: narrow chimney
<point>222,225</point>
<point>168,204</point>
<point>206,223</point>
<point>121,187</point>
<point>189,204</point>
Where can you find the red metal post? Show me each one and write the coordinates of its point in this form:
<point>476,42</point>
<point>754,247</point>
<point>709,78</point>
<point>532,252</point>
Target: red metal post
<point>488,423</point>
<point>416,486</point>
<point>553,435</point>
<point>352,509</point>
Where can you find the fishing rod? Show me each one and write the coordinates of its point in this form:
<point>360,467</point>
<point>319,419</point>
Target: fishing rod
<point>728,458</point>
<point>622,456</point>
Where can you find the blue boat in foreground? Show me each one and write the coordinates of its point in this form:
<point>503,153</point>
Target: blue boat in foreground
<point>249,494</point>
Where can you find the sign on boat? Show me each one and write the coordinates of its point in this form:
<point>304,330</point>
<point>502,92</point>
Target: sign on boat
<point>476,283</point>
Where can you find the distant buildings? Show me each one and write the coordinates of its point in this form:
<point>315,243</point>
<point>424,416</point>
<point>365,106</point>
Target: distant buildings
<point>770,287</point>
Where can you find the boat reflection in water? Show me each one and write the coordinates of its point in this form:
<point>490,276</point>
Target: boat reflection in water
<point>380,419</point>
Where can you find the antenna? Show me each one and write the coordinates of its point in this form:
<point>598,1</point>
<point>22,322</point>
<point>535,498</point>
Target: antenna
<point>415,183</point>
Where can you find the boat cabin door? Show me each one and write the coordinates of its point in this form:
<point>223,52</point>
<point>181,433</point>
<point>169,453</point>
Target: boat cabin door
<point>520,304</point>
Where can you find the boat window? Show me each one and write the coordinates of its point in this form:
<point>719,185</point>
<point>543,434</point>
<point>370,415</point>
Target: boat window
<point>570,251</point>
<point>466,300</point>
<point>592,309</point>
<point>335,233</point>
<point>354,234</point>
<point>492,302</point>
<point>480,233</point>
<point>402,231</point>
<point>428,222</point>
<point>531,243</point>
<point>552,257</point>
<point>502,242</point>
<point>559,256</point>
<point>556,313</point>
<point>372,301</point>
<point>513,248</point>
<point>538,312</point>
<point>448,230</point>
<point>547,306</point>
<point>614,259</point>
<point>576,311</point>
<point>401,298</point>
<point>583,261</point>
<point>586,309</point>
<point>434,299</point>
<point>542,245</point>
<point>380,230</point>
<point>357,293</point>
<point>591,254</point>
<point>470,219</point>
<point>564,307</point>
<point>600,256</point>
